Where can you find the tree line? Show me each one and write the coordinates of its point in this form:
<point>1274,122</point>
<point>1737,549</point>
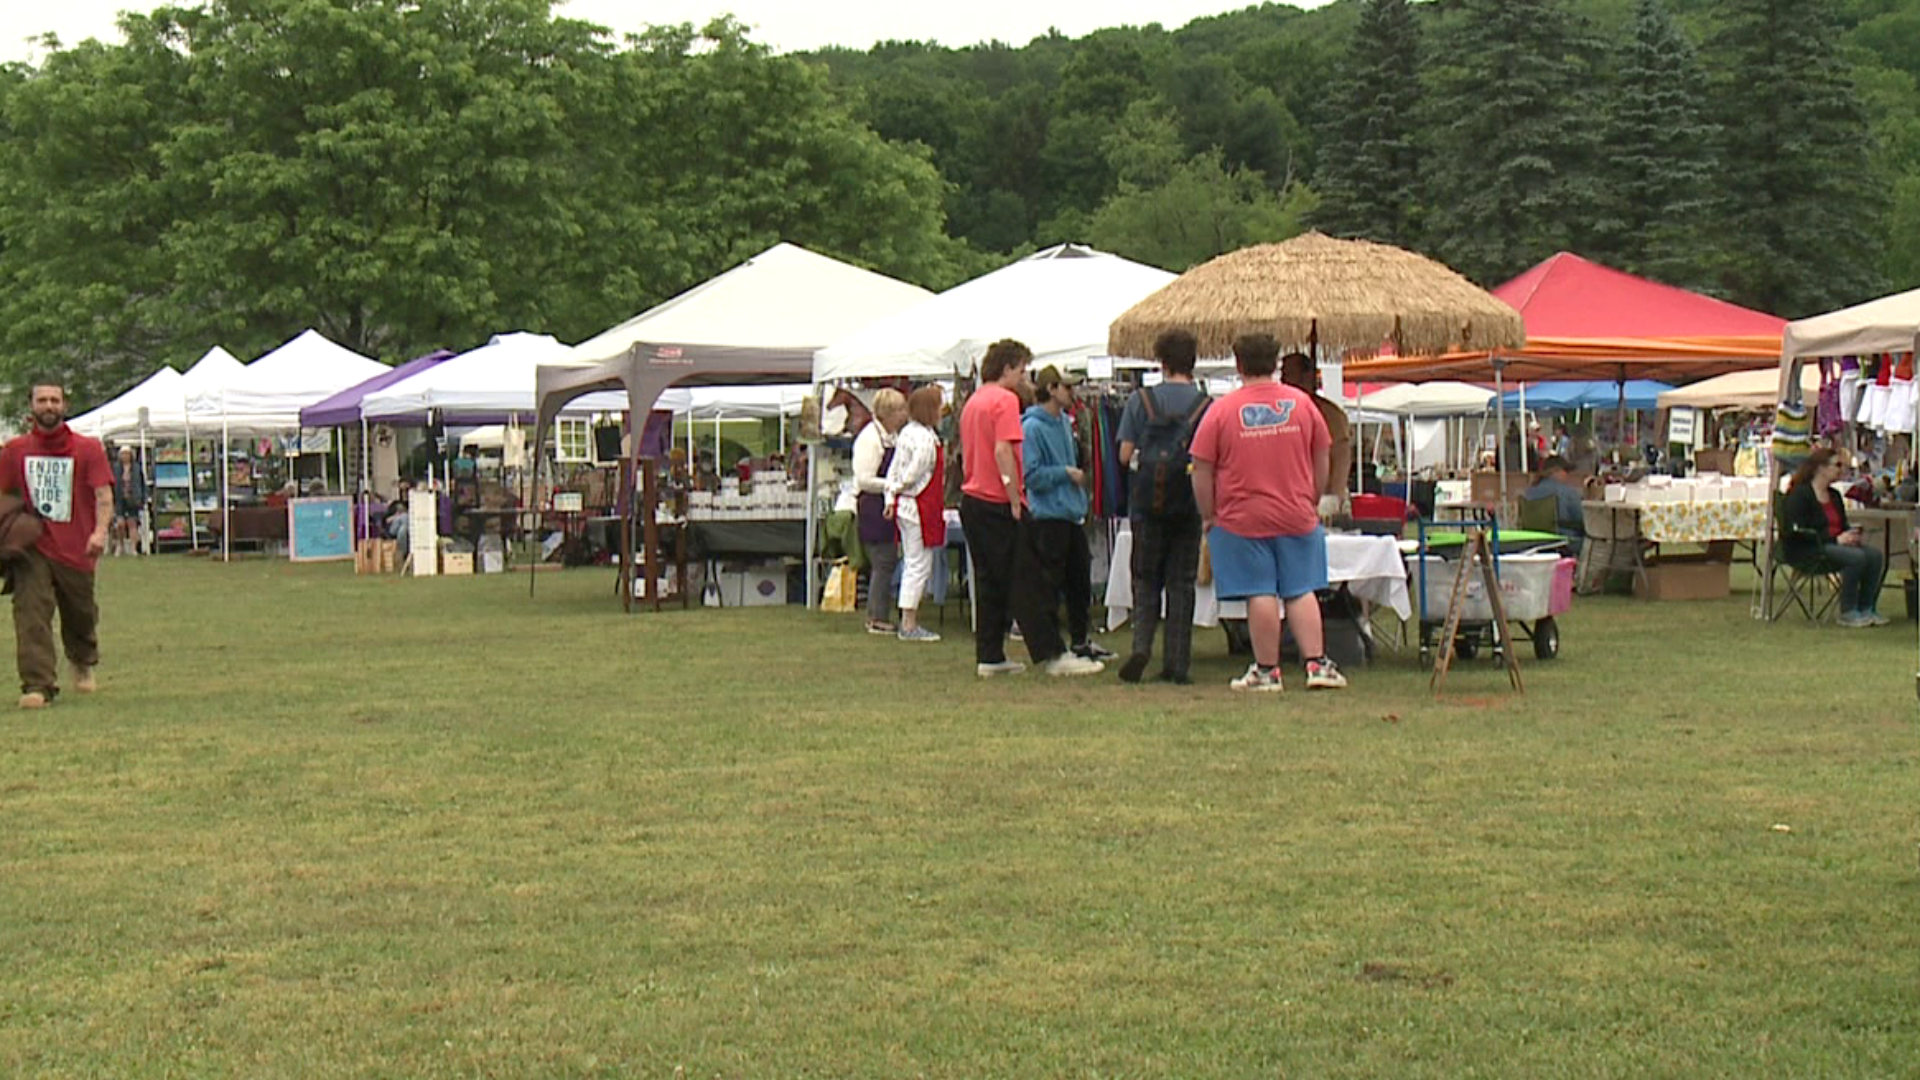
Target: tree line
<point>410,174</point>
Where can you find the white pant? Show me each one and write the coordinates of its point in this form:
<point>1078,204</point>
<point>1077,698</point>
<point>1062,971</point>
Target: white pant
<point>916,564</point>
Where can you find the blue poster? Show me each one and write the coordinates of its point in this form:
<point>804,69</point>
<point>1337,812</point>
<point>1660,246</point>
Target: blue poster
<point>319,529</point>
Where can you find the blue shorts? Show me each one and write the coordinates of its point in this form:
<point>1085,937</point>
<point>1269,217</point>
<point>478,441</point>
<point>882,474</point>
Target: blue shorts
<point>1288,567</point>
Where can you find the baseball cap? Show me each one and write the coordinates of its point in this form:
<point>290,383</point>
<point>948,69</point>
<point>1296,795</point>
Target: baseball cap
<point>1048,376</point>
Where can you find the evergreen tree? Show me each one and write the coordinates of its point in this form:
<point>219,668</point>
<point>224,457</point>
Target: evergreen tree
<point>1798,207</point>
<point>1660,157</point>
<point>1513,136</point>
<point>1370,154</point>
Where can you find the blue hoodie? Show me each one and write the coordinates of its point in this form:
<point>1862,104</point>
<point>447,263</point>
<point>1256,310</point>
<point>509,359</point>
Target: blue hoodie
<point>1048,451</point>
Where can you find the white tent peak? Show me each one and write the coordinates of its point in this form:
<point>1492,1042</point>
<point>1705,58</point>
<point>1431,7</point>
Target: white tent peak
<point>492,381</point>
<point>268,394</point>
<point>786,297</point>
<point>1058,302</point>
<point>121,416</point>
<point>1889,324</point>
<point>1428,399</point>
<point>215,368</point>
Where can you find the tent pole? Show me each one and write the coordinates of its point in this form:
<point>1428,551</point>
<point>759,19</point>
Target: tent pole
<point>1525,449</point>
<point>1500,425</point>
<point>193,532</point>
<point>226,493</point>
<point>813,524</point>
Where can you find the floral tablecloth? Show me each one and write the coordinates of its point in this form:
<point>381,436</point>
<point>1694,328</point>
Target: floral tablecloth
<point>1696,522</point>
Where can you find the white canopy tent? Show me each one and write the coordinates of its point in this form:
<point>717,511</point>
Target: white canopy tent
<point>1428,399</point>
<point>760,322</point>
<point>1737,390</point>
<point>267,396</point>
<point>122,417</point>
<point>492,383</point>
<point>1890,324</point>
<point>1058,302</point>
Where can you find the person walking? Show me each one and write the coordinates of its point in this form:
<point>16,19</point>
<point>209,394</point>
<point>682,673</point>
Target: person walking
<point>1259,466</point>
<point>872,454</point>
<point>66,480</point>
<point>129,503</point>
<point>1055,564</point>
<point>916,484</point>
<point>1156,432</point>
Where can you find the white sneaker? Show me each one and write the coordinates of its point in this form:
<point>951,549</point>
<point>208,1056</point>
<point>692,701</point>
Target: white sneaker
<point>1068,664</point>
<point>1876,618</point>
<point>1260,680</point>
<point>1004,667</point>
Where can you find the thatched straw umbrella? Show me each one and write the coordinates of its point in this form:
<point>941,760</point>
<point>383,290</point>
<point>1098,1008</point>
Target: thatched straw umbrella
<point>1323,296</point>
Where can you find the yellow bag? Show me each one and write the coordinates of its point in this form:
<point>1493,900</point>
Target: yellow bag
<point>842,593</point>
<point>1205,576</point>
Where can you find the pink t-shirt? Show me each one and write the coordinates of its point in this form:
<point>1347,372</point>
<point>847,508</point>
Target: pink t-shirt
<point>1261,439</point>
<point>992,415</point>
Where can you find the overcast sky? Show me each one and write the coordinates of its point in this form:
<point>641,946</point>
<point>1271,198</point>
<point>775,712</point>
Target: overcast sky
<point>784,24</point>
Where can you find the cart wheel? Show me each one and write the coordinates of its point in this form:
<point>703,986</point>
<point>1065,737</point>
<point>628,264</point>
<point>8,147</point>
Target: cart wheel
<point>1546,639</point>
<point>1466,646</point>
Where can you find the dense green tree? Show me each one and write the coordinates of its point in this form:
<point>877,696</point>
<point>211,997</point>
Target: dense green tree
<point>405,174</point>
<point>1174,211</point>
<point>1798,206</point>
<point>1510,122</point>
<point>1370,155</point>
<point>1660,157</point>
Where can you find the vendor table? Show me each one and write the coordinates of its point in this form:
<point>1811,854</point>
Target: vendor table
<point>1369,566</point>
<point>1886,529</point>
<point>748,537</point>
<point>1681,522</point>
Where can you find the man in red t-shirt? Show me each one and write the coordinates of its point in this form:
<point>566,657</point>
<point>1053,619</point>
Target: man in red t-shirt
<point>65,479</point>
<point>991,499</point>
<point>1260,461</point>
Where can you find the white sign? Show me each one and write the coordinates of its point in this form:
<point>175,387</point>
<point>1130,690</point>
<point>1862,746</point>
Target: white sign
<point>50,482</point>
<point>1100,367</point>
<point>1680,425</point>
<point>423,532</point>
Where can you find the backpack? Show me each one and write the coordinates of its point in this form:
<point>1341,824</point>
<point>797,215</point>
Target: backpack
<point>1162,482</point>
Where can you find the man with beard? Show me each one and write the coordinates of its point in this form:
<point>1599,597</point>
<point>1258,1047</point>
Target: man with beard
<point>66,481</point>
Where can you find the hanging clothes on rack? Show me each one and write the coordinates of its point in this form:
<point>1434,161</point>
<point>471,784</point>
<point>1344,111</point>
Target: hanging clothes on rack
<point>1900,402</point>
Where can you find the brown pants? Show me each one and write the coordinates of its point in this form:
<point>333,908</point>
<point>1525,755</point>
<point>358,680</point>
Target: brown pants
<point>40,586</point>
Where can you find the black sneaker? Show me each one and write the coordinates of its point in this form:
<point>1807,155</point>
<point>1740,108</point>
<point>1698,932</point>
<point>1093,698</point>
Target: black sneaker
<point>1177,678</point>
<point>1135,667</point>
<point>1093,650</point>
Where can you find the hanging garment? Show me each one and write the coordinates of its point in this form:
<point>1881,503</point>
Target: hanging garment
<point>1828,420</point>
<point>1900,401</point>
<point>1874,414</point>
<point>1849,388</point>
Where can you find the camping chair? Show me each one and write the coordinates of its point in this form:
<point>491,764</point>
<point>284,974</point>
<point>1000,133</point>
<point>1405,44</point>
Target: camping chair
<point>1540,515</point>
<point>1812,585</point>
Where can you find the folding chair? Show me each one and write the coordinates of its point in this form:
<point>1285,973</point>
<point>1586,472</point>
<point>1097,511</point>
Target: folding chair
<point>1812,585</point>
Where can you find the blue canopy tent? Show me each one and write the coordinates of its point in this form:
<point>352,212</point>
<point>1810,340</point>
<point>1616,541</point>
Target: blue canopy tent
<point>1595,394</point>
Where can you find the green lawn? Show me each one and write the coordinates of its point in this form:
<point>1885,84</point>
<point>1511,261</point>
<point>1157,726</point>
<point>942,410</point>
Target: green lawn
<point>316,825</point>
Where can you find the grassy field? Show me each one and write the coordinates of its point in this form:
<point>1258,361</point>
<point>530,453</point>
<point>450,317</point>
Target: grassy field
<point>316,825</point>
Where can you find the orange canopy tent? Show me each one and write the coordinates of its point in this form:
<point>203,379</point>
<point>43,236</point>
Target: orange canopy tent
<point>1588,321</point>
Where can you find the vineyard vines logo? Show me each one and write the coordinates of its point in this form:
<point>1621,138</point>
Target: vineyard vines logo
<point>1260,415</point>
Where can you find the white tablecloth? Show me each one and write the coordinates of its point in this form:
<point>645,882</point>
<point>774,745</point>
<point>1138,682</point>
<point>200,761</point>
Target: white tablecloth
<point>1369,566</point>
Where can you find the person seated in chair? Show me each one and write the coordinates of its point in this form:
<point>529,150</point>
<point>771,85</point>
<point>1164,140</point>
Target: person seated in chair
<point>1553,483</point>
<point>1814,533</point>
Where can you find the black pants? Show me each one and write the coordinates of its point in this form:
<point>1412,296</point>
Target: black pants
<point>1054,565</point>
<point>993,538</point>
<point>1166,560</point>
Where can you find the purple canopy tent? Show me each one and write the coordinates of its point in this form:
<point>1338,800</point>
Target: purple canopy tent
<point>343,409</point>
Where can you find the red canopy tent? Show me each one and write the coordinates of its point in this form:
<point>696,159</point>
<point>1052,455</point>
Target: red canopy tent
<point>1588,321</point>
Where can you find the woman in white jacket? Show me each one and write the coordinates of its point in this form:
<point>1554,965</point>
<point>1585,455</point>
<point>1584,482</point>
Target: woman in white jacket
<point>915,491</point>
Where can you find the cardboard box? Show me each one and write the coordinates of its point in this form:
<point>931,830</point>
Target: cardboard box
<point>1684,579</point>
<point>493,562</point>
<point>753,584</point>
<point>456,563</point>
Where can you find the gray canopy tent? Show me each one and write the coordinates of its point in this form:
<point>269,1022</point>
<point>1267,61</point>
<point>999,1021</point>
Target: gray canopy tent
<point>760,322</point>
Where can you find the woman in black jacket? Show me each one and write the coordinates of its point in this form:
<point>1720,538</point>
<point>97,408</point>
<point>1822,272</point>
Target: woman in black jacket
<point>1814,528</point>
